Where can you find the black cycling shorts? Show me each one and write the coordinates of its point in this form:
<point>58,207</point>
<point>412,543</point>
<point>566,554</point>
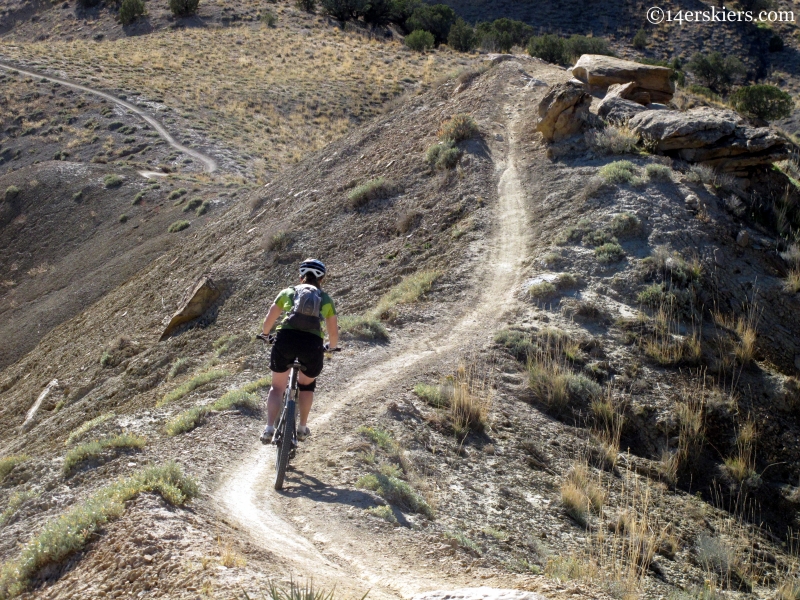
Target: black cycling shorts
<point>291,344</point>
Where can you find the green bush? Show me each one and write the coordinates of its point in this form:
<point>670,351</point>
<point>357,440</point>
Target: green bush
<point>377,189</point>
<point>137,199</point>
<point>462,36</point>
<point>640,40</point>
<point>548,47</point>
<point>178,226</point>
<point>183,8</point>
<point>378,12</point>
<point>436,19</point>
<point>396,491</point>
<point>192,384</point>
<point>702,90</point>
<point>130,10</point>
<point>8,463</point>
<point>621,171</point>
<point>365,327</point>
<point>654,172</point>
<point>419,40</point>
<point>608,253</point>
<point>123,218</point>
<point>93,450</point>
<point>443,156</point>
<point>343,10</point>
<point>12,192</point>
<point>434,395</point>
<point>203,208</point>
<point>268,18</point>
<point>503,34</point>
<point>83,429</point>
<point>763,101</point>
<point>718,72</point>
<point>625,225</point>
<point>70,533</point>
<point>308,6</point>
<point>192,204</point>
<point>577,45</point>
<point>175,194</point>
<point>112,181</point>
<point>458,128</point>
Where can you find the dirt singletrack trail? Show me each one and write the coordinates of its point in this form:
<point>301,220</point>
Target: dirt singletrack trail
<point>209,163</point>
<point>285,524</point>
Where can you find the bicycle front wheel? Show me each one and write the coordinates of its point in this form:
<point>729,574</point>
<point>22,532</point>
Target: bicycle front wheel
<point>285,447</point>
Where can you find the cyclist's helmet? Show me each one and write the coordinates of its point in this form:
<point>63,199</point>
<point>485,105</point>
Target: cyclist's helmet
<point>312,265</point>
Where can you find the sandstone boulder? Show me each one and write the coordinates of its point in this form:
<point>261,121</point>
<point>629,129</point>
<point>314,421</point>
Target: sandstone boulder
<point>617,104</point>
<point>716,137</point>
<point>599,72</point>
<point>563,111</point>
<point>197,303</point>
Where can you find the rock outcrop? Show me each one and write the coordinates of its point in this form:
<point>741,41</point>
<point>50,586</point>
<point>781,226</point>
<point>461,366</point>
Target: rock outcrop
<point>716,137</point>
<point>197,303</point>
<point>619,104</point>
<point>599,72</point>
<point>563,111</point>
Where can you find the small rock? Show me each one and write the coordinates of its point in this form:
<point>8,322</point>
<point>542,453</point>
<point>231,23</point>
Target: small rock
<point>743,239</point>
<point>692,201</point>
<point>719,259</point>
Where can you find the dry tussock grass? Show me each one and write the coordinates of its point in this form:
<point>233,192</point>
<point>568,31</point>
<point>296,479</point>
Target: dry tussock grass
<point>272,93</point>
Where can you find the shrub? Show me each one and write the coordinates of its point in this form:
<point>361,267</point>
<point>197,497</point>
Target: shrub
<point>112,181</point>
<point>408,291</point>
<point>178,226</point>
<point>12,192</point>
<point>775,43</point>
<point>762,101</point>
<point>621,171</point>
<point>268,18</point>
<point>614,140</point>
<point>718,72</point>
<point>577,45</point>
<point>130,10</point>
<point>548,47</point>
<point>419,40</point>
<point>83,429</point>
<point>137,199</point>
<point>14,504</point>
<point>640,39</point>
<point>175,194</point>
<point>203,208</point>
<point>503,34</point>
<point>396,491</point>
<point>365,327</point>
<point>443,156</point>
<point>432,394</point>
<point>343,10</point>
<point>179,366</point>
<point>278,241</point>
<point>377,189</point>
<point>458,128</point>
<point>183,8</point>
<point>518,343</point>
<point>123,218</point>
<point>93,450</point>
<point>383,512</point>
<point>792,282</point>
<point>462,36</point>
<point>654,172</point>
<point>308,6</point>
<point>192,384</point>
<point>625,225</point>
<point>68,534</point>
<point>542,290</point>
<point>608,253</point>
<point>8,463</point>
<point>436,19</point>
<point>192,204</point>
<point>377,12</point>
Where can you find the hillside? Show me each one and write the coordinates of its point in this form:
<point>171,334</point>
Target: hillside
<point>569,368</point>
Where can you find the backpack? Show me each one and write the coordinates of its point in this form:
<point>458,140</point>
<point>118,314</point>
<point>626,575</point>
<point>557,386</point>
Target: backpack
<point>305,313</point>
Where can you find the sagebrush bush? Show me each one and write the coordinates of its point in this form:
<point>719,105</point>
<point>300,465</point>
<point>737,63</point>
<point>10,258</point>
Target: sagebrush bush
<point>112,181</point>
<point>192,384</point>
<point>377,189</point>
<point>614,140</point>
<point>443,155</point>
<point>178,226</point>
<point>608,253</point>
<point>183,8</point>
<point>621,171</point>
<point>130,10</point>
<point>395,490</point>
<point>68,534</point>
<point>625,225</point>
<point>8,463</point>
<point>419,40</point>
<point>655,172</point>
<point>12,192</point>
<point>458,128</point>
<point>93,450</point>
<point>365,327</point>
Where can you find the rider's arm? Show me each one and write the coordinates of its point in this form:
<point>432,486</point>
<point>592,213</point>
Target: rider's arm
<point>332,325</point>
<point>272,317</point>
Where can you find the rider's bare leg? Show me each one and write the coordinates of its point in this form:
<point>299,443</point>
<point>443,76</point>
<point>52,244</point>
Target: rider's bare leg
<point>275,398</point>
<point>305,399</point>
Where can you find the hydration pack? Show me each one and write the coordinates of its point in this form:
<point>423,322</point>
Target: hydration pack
<point>305,313</point>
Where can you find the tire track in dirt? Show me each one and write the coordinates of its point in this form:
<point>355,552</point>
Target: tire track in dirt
<point>247,495</point>
<point>209,163</point>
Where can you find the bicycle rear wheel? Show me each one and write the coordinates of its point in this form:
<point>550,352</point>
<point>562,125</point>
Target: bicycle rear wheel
<point>285,447</point>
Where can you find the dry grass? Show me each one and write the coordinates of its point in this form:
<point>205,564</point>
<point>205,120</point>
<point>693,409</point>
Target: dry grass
<point>82,430</point>
<point>607,425</point>
<point>614,140</point>
<point>582,493</point>
<point>192,384</point>
<point>7,463</point>
<point>792,282</point>
<point>228,557</point>
<point>254,88</point>
<point>95,449</point>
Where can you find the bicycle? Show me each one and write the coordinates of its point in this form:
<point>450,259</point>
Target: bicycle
<point>285,438</point>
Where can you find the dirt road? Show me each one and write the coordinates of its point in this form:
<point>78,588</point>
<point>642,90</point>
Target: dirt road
<point>316,548</point>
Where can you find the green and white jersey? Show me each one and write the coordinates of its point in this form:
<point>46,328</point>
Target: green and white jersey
<point>285,301</point>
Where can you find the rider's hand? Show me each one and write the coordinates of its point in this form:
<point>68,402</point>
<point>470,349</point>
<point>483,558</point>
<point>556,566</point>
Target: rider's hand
<point>327,348</point>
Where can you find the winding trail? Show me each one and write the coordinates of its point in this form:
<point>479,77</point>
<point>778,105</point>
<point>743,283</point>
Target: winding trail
<point>247,496</point>
<point>209,163</point>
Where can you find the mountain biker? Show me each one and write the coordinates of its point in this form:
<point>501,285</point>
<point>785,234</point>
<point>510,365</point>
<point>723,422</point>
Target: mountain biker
<point>299,336</point>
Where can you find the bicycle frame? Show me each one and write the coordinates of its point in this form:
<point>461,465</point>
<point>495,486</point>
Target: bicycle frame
<point>286,428</point>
